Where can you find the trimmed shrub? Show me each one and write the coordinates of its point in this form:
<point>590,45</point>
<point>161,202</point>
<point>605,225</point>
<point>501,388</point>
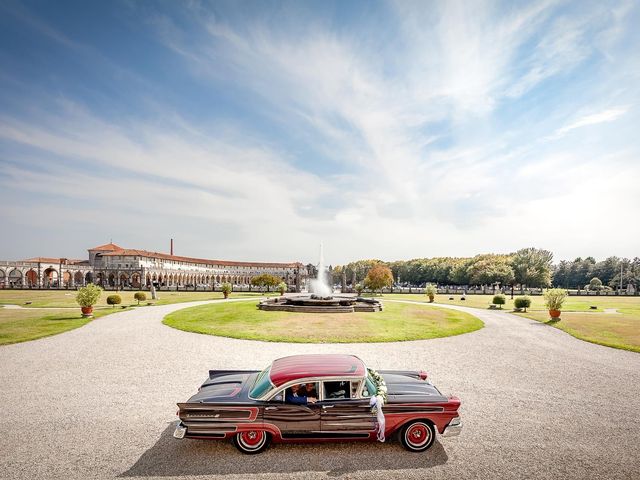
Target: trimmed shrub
<point>114,300</point>
<point>499,300</point>
<point>282,288</point>
<point>522,302</point>
<point>359,289</point>
<point>140,297</point>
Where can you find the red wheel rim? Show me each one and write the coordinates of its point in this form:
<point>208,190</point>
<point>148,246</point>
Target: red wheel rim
<point>252,438</point>
<point>418,435</point>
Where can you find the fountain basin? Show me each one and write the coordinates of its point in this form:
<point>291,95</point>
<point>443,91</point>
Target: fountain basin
<point>320,304</point>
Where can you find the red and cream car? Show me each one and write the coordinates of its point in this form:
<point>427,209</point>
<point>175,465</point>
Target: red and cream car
<point>317,398</point>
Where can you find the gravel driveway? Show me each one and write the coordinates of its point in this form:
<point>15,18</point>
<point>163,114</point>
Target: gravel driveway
<point>99,402</point>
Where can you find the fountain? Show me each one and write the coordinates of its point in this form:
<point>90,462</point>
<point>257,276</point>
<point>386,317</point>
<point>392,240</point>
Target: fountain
<point>321,299</point>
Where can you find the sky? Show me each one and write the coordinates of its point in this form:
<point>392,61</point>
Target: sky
<point>256,130</point>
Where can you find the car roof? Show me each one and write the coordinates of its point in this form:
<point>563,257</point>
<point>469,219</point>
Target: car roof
<point>284,370</point>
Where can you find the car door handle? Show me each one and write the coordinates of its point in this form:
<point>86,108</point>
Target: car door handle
<point>271,408</point>
<point>327,406</point>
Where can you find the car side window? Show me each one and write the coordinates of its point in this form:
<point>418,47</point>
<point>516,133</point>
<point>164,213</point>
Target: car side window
<point>338,390</point>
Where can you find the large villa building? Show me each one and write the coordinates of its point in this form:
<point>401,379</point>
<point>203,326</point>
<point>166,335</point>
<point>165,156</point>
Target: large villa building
<point>112,266</point>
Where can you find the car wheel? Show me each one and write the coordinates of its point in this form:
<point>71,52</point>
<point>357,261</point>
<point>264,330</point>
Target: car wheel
<point>418,436</point>
<point>252,441</point>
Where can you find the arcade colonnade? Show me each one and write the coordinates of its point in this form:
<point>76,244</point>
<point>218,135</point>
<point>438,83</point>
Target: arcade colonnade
<point>44,275</point>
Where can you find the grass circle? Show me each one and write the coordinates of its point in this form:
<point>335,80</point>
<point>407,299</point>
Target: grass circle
<point>397,322</point>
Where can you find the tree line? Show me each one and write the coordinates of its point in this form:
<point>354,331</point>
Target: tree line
<point>528,267</point>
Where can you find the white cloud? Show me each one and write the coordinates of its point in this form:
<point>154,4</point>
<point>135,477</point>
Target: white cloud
<point>605,116</point>
<point>427,166</point>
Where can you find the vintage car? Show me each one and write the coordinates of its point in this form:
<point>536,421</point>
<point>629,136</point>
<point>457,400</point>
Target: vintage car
<point>335,403</point>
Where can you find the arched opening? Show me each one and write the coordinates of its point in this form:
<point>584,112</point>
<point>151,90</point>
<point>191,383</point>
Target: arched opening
<point>31,278</point>
<point>77,278</point>
<point>135,280</point>
<point>66,278</point>
<point>124,280</point>
<point>15,278</point>
<point>3,278</point>
<point>112,280</point>
<point>100,279</point>
<point>50,277</point>
<point>88,277</point>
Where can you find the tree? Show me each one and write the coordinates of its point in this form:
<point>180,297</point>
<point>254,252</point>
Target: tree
<point>379,276</point>
<point>490,269</point>
<point>358,270</point>
<point>607,269</point>
<point>595,284</point>
<point>140,296</point>
<point>282,288</point>
<point>266,280</point>
<point>532,267</point>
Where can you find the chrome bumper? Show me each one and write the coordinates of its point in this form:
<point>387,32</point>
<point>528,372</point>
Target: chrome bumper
<point>180,431</point>
<point>453,429</point>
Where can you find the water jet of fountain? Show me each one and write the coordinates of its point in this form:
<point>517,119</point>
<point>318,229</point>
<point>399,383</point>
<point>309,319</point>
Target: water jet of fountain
<point>319,286</point>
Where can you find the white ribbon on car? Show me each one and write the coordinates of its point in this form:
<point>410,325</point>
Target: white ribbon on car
<point>377,401</point>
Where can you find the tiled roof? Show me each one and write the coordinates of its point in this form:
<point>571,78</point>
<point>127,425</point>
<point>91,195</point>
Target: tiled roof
<point>166,256</point>
<point>108,247</point>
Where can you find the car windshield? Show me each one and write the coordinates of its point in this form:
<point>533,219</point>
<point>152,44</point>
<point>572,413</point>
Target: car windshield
<point>262,385</point>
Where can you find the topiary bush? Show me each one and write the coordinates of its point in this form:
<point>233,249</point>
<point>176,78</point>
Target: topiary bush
<point>140,297</point>
<point>499,300</point>
<point>522,303</point>
<point>282,288</point>
<point>359,289</point>
<point>114,300</point>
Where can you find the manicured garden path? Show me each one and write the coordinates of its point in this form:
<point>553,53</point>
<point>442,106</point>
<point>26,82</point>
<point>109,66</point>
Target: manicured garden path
<point>99,402</point>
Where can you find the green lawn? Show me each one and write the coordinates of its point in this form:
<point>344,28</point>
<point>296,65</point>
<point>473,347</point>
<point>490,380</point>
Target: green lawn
<point>56,311</point>
<point>612,330</point>
<point>621,330</point>
<point>574,304</point>
<point>21,325</point>
<point>67,298</point>
<point>397,322</point>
